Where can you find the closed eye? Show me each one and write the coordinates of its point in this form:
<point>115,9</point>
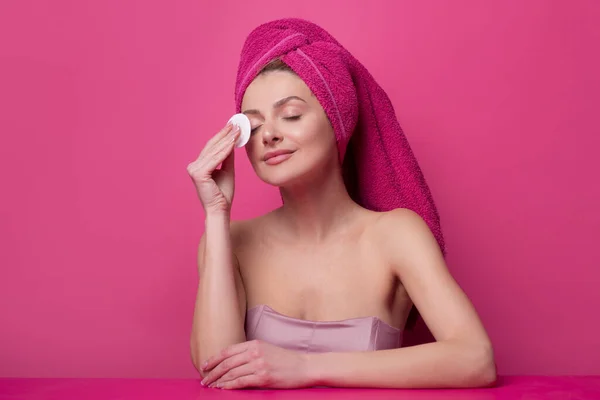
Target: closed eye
<point>292,118</point>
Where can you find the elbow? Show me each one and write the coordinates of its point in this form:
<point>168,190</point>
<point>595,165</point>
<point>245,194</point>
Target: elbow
<point>196,363</point>
<point>195,357</point>
<point>481,371</point>
<point>196,360</point>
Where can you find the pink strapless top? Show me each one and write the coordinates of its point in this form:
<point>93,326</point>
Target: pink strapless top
<point>355,334</point>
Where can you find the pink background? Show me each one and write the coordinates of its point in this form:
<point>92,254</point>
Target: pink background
<point>104,103</point>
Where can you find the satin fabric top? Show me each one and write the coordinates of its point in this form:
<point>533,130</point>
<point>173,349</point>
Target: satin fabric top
<point>355,334</point>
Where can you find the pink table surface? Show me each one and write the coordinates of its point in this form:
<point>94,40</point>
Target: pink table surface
<point>509,388</point>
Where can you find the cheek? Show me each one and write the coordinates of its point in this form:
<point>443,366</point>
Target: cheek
<point>310,133</point>
<point>319,136</point>
<point>251,146</point>
<point>253,150</point>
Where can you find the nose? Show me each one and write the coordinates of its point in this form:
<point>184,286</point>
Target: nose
<point>270,135</point>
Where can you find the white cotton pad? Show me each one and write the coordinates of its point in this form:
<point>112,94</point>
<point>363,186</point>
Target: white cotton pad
<point>244,123</point>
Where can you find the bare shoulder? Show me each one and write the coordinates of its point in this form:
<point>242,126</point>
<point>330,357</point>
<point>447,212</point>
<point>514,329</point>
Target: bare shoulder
<point>406,238</point>
<point>240,231</point>
<point>401,221</point>
<point>243,232</point>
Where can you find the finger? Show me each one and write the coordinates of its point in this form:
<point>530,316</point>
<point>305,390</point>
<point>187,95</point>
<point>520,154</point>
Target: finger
<point>210,162</point>
<point>229,162</point>
<point>223,143</point>
<point>213,162</point>
<point>221,134</point>
<point>225,353</point>
<point>231,139</point>
<point>247,368</point>
<point>247,381</point>
<point>219,137</point>
<point>225,366</point>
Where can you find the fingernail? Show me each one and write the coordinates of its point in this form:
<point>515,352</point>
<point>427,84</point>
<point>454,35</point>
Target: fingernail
<point>205,365</point>
<point>236,129</point>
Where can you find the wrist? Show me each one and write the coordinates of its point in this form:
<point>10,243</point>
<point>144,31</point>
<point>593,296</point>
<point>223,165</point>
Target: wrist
<point>313,366</point>
<point>217,217</point>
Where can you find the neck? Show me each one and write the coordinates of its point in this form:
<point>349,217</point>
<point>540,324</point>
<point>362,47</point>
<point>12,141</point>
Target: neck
<point>318,208</point>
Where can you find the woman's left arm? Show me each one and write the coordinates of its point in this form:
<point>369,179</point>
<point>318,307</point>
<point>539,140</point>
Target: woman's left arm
<point>462,354</point>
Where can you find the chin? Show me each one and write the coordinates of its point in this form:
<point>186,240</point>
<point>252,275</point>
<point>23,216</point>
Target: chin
<point>280,179</point>
<point>283,175</point>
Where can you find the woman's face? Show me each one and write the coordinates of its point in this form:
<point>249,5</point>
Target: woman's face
<point>292,139</point>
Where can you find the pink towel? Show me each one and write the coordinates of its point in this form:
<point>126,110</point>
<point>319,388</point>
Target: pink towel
<point>380,169</point>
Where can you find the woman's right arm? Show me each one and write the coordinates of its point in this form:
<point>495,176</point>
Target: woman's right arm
<point>219,311</point>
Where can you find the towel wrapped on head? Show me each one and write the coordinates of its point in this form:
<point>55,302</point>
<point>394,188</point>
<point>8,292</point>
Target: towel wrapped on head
<point>380,170</point>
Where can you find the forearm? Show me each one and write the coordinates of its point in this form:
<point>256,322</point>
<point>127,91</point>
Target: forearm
<point>444,364</point>
<point>218,319</point>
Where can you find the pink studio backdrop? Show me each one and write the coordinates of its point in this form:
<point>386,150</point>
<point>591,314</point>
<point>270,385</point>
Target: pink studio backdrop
<point>104,103</point>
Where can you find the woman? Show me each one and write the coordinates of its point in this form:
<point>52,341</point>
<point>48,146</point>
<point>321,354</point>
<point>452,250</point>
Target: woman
<point>319,291</point>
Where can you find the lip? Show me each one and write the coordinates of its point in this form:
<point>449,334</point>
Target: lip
<point>277,156</point>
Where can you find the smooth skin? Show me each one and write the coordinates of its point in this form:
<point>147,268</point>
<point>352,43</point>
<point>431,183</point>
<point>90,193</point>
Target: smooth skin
<point>319,257</point>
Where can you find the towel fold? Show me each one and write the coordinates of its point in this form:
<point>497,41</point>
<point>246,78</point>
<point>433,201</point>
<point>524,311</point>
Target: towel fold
<point>381,172</point>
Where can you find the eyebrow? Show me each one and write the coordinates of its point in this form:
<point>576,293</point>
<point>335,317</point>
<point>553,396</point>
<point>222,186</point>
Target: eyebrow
<point>277,104</point>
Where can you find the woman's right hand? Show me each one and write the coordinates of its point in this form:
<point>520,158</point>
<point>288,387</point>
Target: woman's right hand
<point>215,187</point>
